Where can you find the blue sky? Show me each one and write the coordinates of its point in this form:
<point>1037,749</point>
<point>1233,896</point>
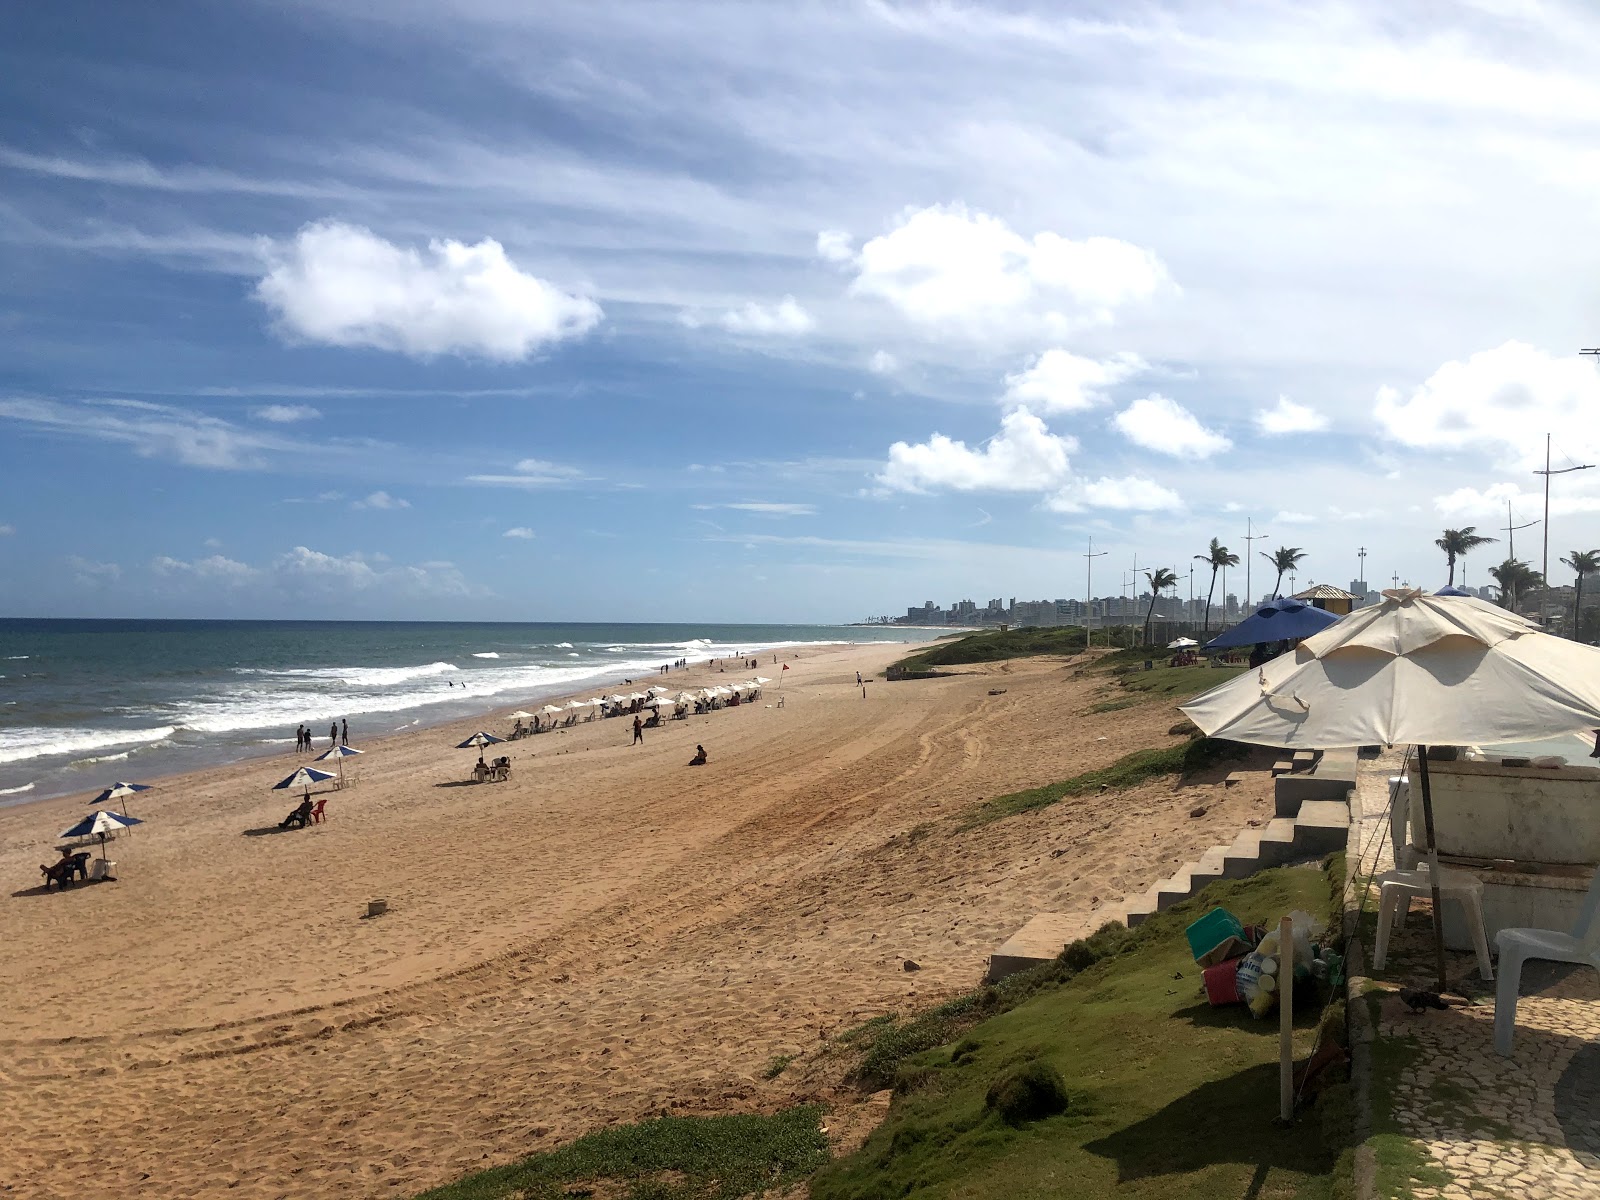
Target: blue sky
<point>481,309</point>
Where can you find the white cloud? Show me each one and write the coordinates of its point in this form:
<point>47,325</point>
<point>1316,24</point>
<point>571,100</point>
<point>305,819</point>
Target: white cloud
<point>342,285</point>
<point>765,508</point>
<point>533,473</point>
<point>1132,493</point>
<point>1165,426</point>
<point>950,266</point>
<point>90,573</point>
<point>1289,517</point>
<point>151,431</point>
<point>380,500</point>
<point>1499,400</point>
<point>212,543</point>
<point>520,531</point>
<point>1490,502</point>
<point>883,363</point>
<point>304,571</point>
<point>786,317</point>
<point>285,414</point>
<point>7,530</point>
<point>834,245</point>
<point>1023,457</point>
<point>1059,381</point>
<point>215,567</point>
<point>1288,417</point>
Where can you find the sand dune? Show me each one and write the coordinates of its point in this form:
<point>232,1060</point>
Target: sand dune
<point>610,934</point>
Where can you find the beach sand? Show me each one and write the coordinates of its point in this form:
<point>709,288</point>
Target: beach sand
<point>609,935</point>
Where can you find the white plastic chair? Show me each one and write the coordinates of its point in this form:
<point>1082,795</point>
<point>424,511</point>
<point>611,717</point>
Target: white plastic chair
<point>1396,888</point>
<point>1582,945</point>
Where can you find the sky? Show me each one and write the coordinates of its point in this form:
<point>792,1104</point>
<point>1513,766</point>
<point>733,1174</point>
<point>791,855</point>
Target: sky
<point>480,309</point>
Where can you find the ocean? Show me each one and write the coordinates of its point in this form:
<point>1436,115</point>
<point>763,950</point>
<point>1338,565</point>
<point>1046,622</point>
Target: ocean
<point>86,703</point>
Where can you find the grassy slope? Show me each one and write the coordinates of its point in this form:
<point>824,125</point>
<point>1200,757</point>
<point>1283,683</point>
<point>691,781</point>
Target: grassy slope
<point>1170,1098</point>
<point>671,1158</point>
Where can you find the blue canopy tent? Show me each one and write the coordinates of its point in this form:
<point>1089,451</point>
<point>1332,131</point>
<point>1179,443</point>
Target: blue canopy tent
<point>1275,621</point>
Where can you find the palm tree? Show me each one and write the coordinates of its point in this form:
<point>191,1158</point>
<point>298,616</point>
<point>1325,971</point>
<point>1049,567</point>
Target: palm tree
<point>1582,562</point>
<point>1514,578</point>
<point>1456,542</point>
<point>1218,556</point>
<point>1284,558</point>
<point>1160,580</point>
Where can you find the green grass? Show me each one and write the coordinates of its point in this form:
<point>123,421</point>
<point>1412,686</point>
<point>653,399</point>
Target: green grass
<point>1105,706</point>
<point>671,1158</point>
<point>1167,1097</point>
<point>995,646</point>
<point>776,1065</point>
<point>1187,758</point>
<point>1402,1164</point>
<point>1181,683</point>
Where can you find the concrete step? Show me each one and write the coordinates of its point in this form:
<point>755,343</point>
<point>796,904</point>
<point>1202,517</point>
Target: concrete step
<point>1140,907</point>
<point>1039,941</point>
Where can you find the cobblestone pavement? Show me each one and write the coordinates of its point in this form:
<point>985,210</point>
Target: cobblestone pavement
<point>1525,1126</point>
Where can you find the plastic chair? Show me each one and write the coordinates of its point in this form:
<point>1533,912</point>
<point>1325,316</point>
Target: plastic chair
<point>317,811</point>
<point>1396,888</point>
<point>1581,945</point>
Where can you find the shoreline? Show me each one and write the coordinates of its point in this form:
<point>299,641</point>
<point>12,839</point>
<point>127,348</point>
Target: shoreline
<point>229,754</point>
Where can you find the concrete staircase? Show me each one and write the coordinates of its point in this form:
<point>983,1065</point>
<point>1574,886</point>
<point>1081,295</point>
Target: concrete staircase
<point>1318,828</point>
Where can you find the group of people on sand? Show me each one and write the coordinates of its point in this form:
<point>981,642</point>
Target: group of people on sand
<point>338,735</point>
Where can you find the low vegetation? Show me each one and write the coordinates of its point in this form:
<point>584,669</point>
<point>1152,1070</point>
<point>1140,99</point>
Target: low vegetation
<point>671,1158</point>
<point>1112,1079</point>
<point>1196,754</point>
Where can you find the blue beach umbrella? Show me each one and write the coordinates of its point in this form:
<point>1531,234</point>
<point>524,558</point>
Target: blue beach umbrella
<point>304,777</point>
<point>1275,621</point>
<point>1451,591</point>
<point>120,791</point>
<point>478,741</point>
<point>102,825</point>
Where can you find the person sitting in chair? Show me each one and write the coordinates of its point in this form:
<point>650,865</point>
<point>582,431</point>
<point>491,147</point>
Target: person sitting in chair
<point>299,818</point>
<point>699,759</point>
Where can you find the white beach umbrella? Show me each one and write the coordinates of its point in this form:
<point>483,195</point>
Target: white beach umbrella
<point>1181,643</point>
<point>658,690</point>
<point>550,710</point>
<point>519,715</point>
<point>1421,669</point>
<point>762,679</point>
<point>571,704</point>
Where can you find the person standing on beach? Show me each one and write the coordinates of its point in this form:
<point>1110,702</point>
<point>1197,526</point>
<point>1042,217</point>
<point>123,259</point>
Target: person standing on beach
<point>333,736</point>
<point>344,732</point>
<point>638,731</point>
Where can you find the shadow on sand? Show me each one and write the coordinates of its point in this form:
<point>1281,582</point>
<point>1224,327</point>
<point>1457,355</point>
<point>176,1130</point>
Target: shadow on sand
<point>268,830</point>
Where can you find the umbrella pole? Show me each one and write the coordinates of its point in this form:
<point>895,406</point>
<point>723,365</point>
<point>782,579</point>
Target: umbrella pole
<point>1433,868</point>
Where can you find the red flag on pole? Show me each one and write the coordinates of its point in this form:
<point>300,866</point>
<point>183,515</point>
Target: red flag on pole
<point>785,666</point>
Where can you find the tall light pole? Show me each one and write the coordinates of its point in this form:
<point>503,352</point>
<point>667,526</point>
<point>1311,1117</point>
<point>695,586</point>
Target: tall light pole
<point>1250,540</point>
<point>1361,571</point>
<point>1511,532</point>
<point>1088,588</point>
<point>1544,596</point>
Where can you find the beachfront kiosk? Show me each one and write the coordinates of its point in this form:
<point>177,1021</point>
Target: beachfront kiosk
<point>1329,598</point>
<point>1524,819</point>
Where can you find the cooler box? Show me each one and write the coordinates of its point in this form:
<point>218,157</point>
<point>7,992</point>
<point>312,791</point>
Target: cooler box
<point>1222,982</point>
<point>1215,936</point>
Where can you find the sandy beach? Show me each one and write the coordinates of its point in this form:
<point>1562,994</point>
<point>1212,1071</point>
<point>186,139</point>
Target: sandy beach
<point>609,935</point>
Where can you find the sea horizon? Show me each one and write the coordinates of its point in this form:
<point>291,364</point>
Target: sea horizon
<point>87,701</point>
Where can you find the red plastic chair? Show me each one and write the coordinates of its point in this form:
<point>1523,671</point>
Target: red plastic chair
<point>316,811</point>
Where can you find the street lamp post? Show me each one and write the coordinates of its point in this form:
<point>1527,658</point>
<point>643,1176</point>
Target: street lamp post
<point>1544,596</point>
<point>1250,539</point>
<point>1088,588</point>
